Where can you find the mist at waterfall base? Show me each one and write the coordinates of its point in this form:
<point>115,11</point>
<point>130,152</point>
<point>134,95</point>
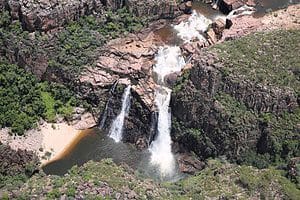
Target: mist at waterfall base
<point>116,129</point>
<point>168,60</point>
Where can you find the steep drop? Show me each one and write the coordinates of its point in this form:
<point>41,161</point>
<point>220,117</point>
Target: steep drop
<point>117,125</point>
<point>168,60</point>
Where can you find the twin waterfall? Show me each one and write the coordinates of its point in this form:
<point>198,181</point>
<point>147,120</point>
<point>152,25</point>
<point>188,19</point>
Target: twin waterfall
<point>168,60</point>
<point>116,129</point>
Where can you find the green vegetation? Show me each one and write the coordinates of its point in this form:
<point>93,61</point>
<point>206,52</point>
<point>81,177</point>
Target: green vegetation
<point>24,100</point>
<point>283,138</point>
<point>261,181</point>
<point>223,180</point>
<point>76,45</point>
<point>20,102</point>
<point>269,58</point>
<point>182,80</point>
<point>104,176</point>
<point>105,179</point>
<point>281,141</point>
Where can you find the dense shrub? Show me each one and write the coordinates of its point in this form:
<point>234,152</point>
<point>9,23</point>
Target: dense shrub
<point>24,100</point>
<point>77,43</point>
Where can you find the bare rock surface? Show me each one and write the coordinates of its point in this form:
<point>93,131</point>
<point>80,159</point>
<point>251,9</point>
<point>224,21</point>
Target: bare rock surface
<point>282,19</point>
<point>128,60</point>
<point>189,164</point>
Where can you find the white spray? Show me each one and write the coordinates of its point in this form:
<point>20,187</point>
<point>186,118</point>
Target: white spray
<point>116,130</point>
<point>168,60</point>
<point>196,25</point>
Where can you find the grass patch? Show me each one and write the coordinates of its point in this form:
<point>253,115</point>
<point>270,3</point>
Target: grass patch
<point>269,58</point>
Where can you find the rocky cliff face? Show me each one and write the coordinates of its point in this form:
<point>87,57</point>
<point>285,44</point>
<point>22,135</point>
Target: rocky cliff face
<point>204,124</point>
<point>218,110</point>
<point>129,60</point>
<point>46,15</point>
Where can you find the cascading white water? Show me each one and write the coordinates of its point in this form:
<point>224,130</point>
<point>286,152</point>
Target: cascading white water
<point>117,125</point>
<point>196,25</point>
<point>168,60</point>
<point>244,10</point>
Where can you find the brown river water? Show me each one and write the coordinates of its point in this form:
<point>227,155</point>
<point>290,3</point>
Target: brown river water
<point>93,144</point>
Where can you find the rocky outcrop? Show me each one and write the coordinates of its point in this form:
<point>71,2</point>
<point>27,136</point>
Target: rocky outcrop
<point>46,15</point>
<point>129,61</point>
<point>281,19</point>
<point>189,164</point>
<point>226,6</point>
<point>2,5</point>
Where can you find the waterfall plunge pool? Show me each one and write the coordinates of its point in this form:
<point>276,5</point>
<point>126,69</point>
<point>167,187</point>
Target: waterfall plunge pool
<point>94,144</point>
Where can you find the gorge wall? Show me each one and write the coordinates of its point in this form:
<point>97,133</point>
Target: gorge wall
<point>48,14</point>
<point>219,110</point>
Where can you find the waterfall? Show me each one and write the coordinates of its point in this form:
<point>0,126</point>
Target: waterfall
<point>104,115</point>
<point>117,125</point>
<point>196,25</point>
<point>168,60</point>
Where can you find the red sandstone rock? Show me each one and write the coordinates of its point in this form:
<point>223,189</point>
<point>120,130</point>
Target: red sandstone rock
<point>128,59</point>
<point>281,19</point>
<point>211,36</point>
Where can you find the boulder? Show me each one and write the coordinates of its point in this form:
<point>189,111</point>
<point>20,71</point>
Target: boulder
<point>211,36</point>
<point>189,164</point>
<point>226,6</point>
<point>218,26</point>
<point>188,7</point>
<point>2,4</point>
<point>171,79</point>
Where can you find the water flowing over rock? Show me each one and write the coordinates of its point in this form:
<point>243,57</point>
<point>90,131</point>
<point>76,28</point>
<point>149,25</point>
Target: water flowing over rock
<point>168,60</point>
<point>117,125</point>
<point>244,10</point>
<point>194,28</point>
